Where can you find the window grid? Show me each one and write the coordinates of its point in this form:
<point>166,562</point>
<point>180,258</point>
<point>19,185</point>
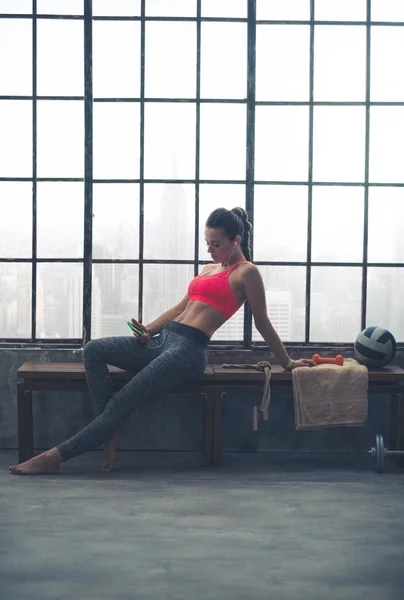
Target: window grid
<point>34,171</point>
<point>249,181</point>
<point>141,161</point>
<point>310,177</point>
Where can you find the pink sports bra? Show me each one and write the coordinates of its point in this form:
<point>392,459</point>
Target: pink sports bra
<point>215,290</point>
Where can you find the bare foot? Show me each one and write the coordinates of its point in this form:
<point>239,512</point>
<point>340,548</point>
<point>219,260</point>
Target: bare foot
<point>47,462</point>
<point>109,461</point>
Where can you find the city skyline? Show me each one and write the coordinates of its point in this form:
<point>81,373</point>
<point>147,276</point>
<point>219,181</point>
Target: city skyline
<point>328,127</point>
<point>335,299</point>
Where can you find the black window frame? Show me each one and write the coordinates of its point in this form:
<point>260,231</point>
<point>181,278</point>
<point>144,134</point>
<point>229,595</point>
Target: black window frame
<point>249,181</point>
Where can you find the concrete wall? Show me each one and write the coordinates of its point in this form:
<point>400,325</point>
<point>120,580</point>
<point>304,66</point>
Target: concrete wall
<point>175,422</point>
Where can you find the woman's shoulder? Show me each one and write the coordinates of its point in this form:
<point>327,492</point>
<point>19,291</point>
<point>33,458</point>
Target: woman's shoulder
<point>249,267</point>
<point>246,269</point>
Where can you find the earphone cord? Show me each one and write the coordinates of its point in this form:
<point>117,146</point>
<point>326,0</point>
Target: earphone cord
<point>165,335</point>
<point>228,260</point>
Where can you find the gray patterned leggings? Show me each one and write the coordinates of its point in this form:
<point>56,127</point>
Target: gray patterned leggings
<point>175,357</point>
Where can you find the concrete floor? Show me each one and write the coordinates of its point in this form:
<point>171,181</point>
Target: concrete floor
<point>164,528</point>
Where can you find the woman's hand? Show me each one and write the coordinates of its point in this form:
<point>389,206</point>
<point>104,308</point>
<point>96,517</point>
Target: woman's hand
<point>303,362</point>
<point>141,338</point>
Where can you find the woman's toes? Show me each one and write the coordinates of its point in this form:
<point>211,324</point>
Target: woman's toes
<point>108,465</point>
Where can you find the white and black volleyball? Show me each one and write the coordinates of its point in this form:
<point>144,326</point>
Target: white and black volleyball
<point>375,347</point>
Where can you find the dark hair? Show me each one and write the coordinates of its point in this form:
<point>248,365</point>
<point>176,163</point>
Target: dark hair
<point>234,222</point>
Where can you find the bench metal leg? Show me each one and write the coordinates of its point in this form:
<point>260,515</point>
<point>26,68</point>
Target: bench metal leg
<point>217,422</point>
<point>397,426</point>
<point>25,423</point>
<point>208,429</point>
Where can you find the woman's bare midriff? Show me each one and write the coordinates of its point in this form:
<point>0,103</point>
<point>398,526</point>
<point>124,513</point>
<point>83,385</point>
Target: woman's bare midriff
<point>202,316</point>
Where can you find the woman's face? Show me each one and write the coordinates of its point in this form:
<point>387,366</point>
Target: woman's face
<point>218,244</point>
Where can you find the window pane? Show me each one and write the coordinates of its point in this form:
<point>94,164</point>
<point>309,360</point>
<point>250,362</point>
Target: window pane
<point>386,61</point>
<point>224,8</point>
<point>15,300</point>
<point>288,10</point>
<point>16,7</point>
<point>343,10</point>
<point>285,290</point>
<point>59,300</point>
<point>116,220</point>
<point>385,300</point>
<point>16,220</point>
<point>339,143</point>
<point>212,196</point>
<point>16,52</point>
<point>337,215</point>
<point>276,235</point>
<point>114,299</point>
<point>116,140</point>
<point>163,287</point>
<point>223,141</point>
<point>169,213</point>
<point>60,138</point>
<point>386,144</point>
<point>60,7</point>
<point>116,59</point>
<point>283,49</point>
<point>60,224</point>
<point>335,304</point>
<point>387,10</point>
<point>281,143</point>
<point>171,8</point>
<point>117,8</point>
<point>169,141</point>
<point>386,218</point>
<point>218,58</point>
<point>339,63</point>
<point>232,330</point>
<point>60,56</point>
<point>15,138</point>
<point>170,60</point>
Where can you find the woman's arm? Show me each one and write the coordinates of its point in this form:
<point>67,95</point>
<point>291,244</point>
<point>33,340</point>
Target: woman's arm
<point>255,293</point>
<point>158,324</point>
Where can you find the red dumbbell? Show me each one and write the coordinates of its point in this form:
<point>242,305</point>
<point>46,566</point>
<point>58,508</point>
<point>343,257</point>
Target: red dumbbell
<point>319,360</point>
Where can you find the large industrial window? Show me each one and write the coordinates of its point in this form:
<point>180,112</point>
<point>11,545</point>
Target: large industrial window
<point>123,123</point>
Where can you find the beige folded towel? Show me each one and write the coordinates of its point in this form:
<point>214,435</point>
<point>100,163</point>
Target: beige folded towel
<point>330,395</point>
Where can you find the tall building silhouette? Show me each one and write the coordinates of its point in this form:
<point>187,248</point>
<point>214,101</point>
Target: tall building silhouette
<point>75,305</point>
<point>96,308</point>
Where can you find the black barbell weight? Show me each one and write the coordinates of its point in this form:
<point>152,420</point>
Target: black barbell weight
<point>378,453</point>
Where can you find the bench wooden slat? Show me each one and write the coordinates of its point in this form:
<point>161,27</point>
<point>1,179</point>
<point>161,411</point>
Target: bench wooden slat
<point>214,372</point>
<point>391,373</point>
<point>387,374</point>
<point>54,370</point>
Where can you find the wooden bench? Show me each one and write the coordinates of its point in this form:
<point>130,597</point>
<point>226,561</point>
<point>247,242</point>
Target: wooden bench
<point>213,385</point>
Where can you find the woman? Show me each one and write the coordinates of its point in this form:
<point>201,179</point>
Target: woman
<point>178,354</point>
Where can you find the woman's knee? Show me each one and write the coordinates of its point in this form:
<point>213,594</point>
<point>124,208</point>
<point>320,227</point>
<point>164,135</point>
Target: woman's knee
<point>92,349</point>
<point>123,352</point>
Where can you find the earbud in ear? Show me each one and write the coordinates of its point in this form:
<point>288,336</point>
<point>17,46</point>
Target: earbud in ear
<point>235,245</point>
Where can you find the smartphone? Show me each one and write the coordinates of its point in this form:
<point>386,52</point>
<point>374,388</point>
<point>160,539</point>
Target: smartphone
<point>135,329</point>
